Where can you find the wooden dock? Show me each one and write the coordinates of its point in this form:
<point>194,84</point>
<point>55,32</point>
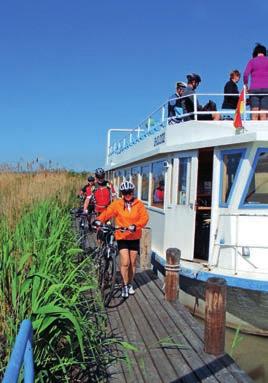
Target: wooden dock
<point>167,341</point>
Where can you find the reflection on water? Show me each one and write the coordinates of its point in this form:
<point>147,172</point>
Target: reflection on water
<point>251,354</point>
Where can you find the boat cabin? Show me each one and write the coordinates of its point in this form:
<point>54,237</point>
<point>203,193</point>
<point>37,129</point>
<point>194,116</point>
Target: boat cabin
<point>204,183</point>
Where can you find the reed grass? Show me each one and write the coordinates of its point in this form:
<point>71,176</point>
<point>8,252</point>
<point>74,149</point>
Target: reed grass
<point>40,279</point>
<point>20,191</point>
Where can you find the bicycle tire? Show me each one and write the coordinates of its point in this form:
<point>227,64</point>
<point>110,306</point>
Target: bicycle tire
<point>107,277</point>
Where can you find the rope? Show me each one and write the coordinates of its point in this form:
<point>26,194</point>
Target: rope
<point>174,268</point>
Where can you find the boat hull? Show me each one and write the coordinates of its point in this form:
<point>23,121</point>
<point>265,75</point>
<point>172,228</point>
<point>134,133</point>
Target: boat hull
<point>246,308</point>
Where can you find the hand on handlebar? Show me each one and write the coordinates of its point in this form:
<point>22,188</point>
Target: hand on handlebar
<point>132,228</point>
<point>96,224</point>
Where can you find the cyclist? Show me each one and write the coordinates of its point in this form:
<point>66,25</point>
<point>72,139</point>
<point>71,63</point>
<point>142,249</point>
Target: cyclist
<point>129,212</point>
<point>88,186</point>
<point>101,194</point>
<point>86,190</point>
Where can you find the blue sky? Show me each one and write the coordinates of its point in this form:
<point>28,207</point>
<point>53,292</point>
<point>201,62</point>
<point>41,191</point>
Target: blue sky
<point>70,70</point>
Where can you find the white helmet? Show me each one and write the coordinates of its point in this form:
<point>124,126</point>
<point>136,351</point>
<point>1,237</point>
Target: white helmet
<point>127,186</point>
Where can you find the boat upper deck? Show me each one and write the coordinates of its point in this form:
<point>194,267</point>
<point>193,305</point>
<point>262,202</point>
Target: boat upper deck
<point>159,133</point>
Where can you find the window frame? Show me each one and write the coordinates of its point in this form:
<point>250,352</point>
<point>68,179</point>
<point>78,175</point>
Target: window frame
<point>188,179</point>
<point>241,151</point>
<point>138,167</point>
<point>243,205</point>
<point>143,165</point>
<point>162,208</point>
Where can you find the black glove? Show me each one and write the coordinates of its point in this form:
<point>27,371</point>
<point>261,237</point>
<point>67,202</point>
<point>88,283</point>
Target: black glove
<point>96,224</point>
<point>132,228</point>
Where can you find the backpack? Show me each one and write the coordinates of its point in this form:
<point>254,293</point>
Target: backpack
<point>102,194</point>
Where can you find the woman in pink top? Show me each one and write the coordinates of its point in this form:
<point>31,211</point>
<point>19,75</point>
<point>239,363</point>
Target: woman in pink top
<point>257,69</point>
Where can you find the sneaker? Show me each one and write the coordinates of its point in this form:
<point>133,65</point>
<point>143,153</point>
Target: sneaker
<point>131,290</point>
<point>124,293</point>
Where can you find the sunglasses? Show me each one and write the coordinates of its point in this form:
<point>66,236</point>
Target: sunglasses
<point>126,192</point>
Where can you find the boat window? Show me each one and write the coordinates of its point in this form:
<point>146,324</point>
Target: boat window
<point>121,176</point>
<point>115,179</point>
<point>182,180</point>
<point>135,177</point>
<point>127,175</point>
<point>145,182</point>
<point>230,161</point>
<point>158,184</point>
<point>257,186</point>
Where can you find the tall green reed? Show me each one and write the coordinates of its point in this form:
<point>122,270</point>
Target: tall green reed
<point>41,280</point>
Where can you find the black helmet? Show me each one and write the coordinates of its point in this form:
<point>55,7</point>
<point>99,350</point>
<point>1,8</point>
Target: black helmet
<point>90,178</point>
<point>99,173</point>
<point>193,77</point>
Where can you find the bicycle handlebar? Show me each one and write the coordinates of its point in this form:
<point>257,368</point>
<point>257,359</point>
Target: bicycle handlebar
<point>110,227</point>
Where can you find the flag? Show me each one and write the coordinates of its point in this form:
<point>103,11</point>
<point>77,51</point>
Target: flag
<point>239,110</point>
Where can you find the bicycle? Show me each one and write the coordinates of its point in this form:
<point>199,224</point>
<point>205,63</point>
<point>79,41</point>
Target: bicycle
<point>85,231</point>
<point>106,260</point>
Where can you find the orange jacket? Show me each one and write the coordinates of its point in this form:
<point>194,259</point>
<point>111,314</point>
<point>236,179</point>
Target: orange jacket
<point>124,217</point>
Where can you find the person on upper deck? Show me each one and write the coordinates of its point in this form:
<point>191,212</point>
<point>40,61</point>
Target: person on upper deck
<point>257,69</point>
<point>174,104</point>
<point>230,102</point>
<point>193,80</point>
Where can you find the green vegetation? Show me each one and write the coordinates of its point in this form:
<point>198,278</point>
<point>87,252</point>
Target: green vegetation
<point>40,279</point>
<point>236,341</point>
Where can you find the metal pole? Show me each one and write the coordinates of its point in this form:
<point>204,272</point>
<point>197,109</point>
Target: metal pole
<point>245,108</point>
<point>163,114</point>
<point>195,107</point>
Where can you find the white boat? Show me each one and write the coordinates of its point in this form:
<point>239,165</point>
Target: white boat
<point>214,208</point>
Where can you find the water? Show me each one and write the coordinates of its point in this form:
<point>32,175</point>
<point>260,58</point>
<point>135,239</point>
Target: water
<point>251,354</point>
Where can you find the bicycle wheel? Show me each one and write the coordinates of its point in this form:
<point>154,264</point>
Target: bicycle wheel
<point>82,233</point>
<point>107,276</point>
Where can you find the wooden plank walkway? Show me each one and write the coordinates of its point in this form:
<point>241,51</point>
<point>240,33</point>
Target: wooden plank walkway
<point>167,340</point>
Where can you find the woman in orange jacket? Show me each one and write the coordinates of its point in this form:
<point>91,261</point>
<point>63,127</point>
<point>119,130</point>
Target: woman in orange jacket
<point>131,213</point>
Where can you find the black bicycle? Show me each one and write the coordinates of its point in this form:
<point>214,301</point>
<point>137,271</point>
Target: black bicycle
<point>106,259</point>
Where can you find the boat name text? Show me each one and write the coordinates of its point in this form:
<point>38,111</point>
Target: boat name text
<point>160,139</point>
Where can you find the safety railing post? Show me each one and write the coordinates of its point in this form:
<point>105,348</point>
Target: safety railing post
<point>245,106</point>
<point>163,114</point>
<point>149,124</point>
<point>195,106</point>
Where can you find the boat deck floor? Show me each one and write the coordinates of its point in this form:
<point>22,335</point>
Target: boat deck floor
<point>164,341</point>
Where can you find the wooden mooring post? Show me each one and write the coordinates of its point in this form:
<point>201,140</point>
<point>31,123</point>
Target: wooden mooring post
<point>145,248</point>
<point>172,267</point>
<point>215,311</point>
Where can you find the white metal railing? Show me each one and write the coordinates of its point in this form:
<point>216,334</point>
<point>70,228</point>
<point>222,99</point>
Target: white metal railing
<point>159,119</point>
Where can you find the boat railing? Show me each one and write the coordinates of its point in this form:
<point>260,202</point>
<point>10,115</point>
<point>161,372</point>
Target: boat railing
<point>22,355</point>
<point>159,119</point>
<point>241,247</point>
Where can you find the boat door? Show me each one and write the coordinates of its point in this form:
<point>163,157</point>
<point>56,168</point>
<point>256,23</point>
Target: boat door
<point>180,213</point>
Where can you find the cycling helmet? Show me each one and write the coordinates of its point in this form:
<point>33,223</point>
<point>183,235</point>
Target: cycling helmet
<point>126,187</point>
<point>91,178</point>
<point>99,173</point>
<point>193,77</point>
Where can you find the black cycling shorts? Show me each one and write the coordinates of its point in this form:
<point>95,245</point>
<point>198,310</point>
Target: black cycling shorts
<point>129,244</point>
